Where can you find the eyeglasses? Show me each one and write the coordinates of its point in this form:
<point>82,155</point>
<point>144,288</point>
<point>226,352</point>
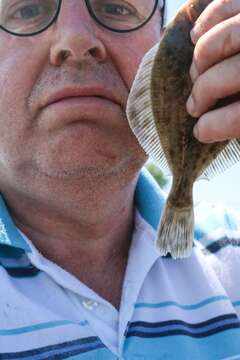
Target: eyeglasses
<point>31,17</point>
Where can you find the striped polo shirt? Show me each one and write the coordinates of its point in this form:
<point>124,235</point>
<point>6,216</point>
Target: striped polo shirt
<point>170,309</point>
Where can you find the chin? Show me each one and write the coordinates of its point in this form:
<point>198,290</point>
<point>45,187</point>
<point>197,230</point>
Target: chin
<point>110,167</point>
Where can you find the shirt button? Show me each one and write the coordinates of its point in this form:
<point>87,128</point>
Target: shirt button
<point>89,304</point>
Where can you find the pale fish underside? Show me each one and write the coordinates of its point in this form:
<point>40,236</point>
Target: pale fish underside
<point>157,115</point>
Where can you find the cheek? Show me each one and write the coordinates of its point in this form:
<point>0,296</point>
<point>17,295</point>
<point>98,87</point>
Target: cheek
<point>20,62</point>
<point>17,76</point>
<point>133,47</point>
<point>129,63</point>
<point>18,67</point>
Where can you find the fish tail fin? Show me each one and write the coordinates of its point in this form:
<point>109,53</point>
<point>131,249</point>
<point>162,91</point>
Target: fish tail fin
<point>175,232</point>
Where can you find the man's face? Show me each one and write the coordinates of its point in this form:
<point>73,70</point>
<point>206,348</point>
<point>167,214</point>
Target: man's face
<point>65,116</point>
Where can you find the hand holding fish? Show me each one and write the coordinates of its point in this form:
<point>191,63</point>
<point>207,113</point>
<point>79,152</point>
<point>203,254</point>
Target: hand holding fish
<point>215,71</point>
<point>158,116</point>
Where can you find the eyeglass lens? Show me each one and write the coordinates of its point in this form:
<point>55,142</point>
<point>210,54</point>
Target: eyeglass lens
<point>122,15</point>
<point>25,17</point>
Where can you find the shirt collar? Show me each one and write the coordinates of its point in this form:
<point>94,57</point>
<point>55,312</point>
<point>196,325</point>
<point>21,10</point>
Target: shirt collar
<point>149,200</point>
<point>9,235</point>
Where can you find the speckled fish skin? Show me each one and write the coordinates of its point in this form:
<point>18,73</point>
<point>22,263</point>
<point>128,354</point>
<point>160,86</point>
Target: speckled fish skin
<point>167,125</point>
<point>171,86</point>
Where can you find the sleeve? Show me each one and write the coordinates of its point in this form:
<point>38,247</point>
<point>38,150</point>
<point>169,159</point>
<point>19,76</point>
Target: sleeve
<point>217,227</point>
<point>217,234</point>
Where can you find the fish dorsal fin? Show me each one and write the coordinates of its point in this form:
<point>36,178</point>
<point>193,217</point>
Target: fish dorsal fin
<point>139,111</point>
<point>229,156</point>
<point>142,122</point>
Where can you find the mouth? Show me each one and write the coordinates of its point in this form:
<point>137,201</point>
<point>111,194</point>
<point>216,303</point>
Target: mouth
<point>66,108</point>
<point>84,94</point>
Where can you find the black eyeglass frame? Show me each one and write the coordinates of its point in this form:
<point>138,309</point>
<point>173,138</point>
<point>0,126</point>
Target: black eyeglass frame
<point>92,14</point>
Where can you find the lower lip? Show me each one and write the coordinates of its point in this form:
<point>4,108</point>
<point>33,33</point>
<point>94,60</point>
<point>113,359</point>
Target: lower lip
<point>74,109</point>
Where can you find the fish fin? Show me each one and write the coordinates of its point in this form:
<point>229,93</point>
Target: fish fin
<point>229,156</point>
<point>139,111</point>
<point>175,232</point>
<point>203,177</point>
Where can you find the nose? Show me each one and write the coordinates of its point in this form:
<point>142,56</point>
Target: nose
<point>74,37</point>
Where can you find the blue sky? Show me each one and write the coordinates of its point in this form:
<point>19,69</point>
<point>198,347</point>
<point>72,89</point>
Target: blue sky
<point>172,6</point>
<point>224,188</point>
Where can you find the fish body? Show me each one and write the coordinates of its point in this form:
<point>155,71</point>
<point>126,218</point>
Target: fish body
<point>157,114</point>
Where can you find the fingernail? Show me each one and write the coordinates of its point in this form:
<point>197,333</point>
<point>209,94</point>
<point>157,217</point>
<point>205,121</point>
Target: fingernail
<point>194,72</point>
<point>196,132</point>
<point>191,105</point>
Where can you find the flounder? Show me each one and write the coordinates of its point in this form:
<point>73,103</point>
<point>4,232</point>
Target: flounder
<point>156,112</point>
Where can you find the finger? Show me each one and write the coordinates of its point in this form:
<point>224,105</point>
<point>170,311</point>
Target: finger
<point>216,12</point>
<point>218,82</point>
<point>219,43</point>
<point>219,125</point>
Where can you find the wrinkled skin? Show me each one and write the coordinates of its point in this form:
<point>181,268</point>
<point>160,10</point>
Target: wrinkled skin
<point>215,71</point>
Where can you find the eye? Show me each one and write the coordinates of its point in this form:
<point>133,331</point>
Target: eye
<point>29,12</point>
<point>114,9</point>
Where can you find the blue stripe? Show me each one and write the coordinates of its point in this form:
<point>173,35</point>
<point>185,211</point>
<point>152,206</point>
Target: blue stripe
<point>35,327</point>
<point>219,244</point>
<point>74,346</point>
<point>63,353</point>
<point>28,271</point>
<point>184,307</point>
<point>7,251</point>
<point>236,303</point>
<point>214,347</point>
<point>185,332</point>
<point>181,322</point>
<point>184,327</point>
